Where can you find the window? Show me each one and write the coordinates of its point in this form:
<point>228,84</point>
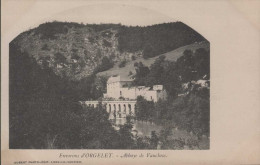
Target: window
<point>120,93</point>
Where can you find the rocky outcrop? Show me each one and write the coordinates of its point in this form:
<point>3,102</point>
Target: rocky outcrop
<point>75,51</point>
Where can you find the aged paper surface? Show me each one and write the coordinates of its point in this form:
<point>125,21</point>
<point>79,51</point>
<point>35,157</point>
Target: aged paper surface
<point>232,27</point>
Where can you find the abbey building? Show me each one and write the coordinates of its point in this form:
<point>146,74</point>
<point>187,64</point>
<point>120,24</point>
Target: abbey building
<point>120,99</point>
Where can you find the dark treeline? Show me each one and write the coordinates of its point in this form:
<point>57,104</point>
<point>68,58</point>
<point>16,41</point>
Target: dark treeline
<point>157,39</point>
<point>44,110</point>
<point>192,66</point>
<point>151,40</point>
<point>50,30</point>
<point>190,112</point>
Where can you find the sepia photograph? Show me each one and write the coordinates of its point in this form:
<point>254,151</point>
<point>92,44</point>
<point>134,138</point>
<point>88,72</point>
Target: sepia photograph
<point>130,82</point>
<point>109,86</point>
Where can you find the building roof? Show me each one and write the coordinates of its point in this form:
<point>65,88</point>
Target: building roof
<point>117,79</point>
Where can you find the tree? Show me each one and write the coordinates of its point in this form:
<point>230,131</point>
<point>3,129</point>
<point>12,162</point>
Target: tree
<point>185,66</point>
<point>155,75</point>
<point>44,112</point>
<point>154,140</point>
<point>106,64</point>
<point>144,108</point>
<point>122,64</point>
<point>126,139</point>
<point>171,80</point>
<point>160,110</point>
<point>59,58</point>
<point>148,51</point>
<point>106,43</point>
<point>202,63</point>
<point>141,72</point>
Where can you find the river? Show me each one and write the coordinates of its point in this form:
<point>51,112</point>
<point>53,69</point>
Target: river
<point>143,128</point>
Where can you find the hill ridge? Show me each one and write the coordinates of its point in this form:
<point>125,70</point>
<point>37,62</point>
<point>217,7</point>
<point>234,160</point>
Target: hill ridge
<point>76,51</point>
<point>171,56</point>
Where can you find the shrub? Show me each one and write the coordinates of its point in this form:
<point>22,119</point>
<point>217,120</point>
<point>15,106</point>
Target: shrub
<point>91,39</point>
<point>122,64</point>
<point>106,64</point>
<point>45,47</point>
<point>75,56</point>
<point>106,43</point>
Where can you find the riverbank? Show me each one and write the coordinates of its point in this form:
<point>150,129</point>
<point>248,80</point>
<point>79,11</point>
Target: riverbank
<point>169,134</point>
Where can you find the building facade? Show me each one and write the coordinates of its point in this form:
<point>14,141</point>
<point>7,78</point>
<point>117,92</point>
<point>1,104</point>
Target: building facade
<point>120,99</point>
<point>121,88</point>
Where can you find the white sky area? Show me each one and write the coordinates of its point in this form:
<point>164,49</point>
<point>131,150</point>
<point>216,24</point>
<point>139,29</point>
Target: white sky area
<point>113,13</point>
<point>23,15</point>
<point>38,12</point>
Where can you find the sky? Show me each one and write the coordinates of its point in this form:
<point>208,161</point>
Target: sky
<point>30,14</point>
<point>113,13</point>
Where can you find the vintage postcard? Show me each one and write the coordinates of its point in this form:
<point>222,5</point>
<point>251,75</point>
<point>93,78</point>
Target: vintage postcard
<point>120,82</point>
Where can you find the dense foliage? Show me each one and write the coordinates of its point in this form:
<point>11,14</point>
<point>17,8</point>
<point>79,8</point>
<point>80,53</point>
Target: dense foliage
<point>192,66</point>
<point>157,39</point>
<point>106,64</point>
<point>76,51</point>
<point>44,113</point>
<point>44,110</point>
<point>122,64</point>
<point>189,112</point>
<point>50,30</point>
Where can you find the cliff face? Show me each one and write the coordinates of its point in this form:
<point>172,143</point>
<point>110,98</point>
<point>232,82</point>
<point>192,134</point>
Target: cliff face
<point>75,51</point>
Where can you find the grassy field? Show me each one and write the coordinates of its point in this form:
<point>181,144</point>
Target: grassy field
<point>172,56</point>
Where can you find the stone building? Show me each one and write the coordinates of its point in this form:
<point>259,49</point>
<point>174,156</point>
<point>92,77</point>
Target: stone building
<point>120,99</point>
<point>121,88</point>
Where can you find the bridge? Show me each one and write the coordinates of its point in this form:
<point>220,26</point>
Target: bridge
<point>115,108</point>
